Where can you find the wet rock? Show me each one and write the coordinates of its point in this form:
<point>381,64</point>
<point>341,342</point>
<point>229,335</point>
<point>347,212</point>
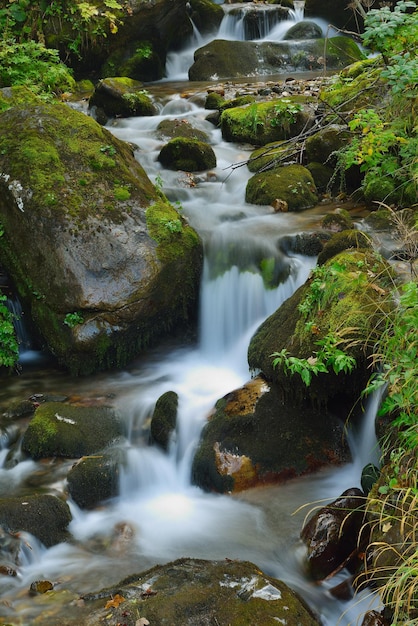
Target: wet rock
<point>179,128</point>
<point>193,591</point>
<point>345,240</point>
<point>95,478</point>
<point>44,516</point>
<point>121,97</point>
<point>70,431</point>
<point>309,244</point>
<point>189,155</point>
<point>233,59</point>
<point>40,586</point>
<point>337,221</point>
<point>322,146</point>
<point>374,618</point>
<point>369,476</point>
<point>253,438</point>
<point>21,408</point>
<point>293,184</point>
<point>164,419</point>
<point>303,30</point>
<point>107,279</point>
<point>331,535</point>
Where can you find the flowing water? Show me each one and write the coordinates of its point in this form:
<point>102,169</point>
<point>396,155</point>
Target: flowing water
<point>167,515</point>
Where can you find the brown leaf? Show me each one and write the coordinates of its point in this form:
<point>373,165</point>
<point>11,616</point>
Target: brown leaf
<point>114,602</point>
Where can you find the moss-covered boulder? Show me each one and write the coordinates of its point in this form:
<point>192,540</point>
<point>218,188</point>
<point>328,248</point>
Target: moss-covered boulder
<point>337,221</point>
<point>15,96</point>
<point>44,516</point>
<point>322,146</point>
<point>122,97</point>
<point>164,419</point>
<point>95,478</point>
<point>303,30</point>
<point>206,15</point>
<point>344,301</point>
<point>266,157</point>
<point>292,184</point>
<point>139,60</point>
<point>193,591</point>
<point>103,263</point>
<point>261,123</point>
<point>223,59</point>
<point>170,129</point>
<point>189,155</point>
<point>65,430</point>
<point>254,438</point>
<point>347,239</point>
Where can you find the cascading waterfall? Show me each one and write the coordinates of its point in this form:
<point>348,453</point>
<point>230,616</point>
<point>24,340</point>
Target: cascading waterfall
<point>298,12</point>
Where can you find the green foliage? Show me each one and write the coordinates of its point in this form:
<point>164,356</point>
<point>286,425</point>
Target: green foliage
<point>285,111</point>
<point>9,347</point>
<point>388,31</point>
<point>397,356</point>
<point>31,64</point>
<point>73,319</point>
<point>83,22</point>
<point>328,357</point>
<point>121,193</point>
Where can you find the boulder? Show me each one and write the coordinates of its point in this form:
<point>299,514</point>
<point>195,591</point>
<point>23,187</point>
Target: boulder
<point>189,155</point>
<point>347,239</point>
<point>331,535</point>
<point>265,122</point>
<point>303,30</point>
<point>373,618</point>
<point>164,419</point>
<point>139,60</point>
<point>222,59</point>
<point>121,97</point>
<point>322,145</point>
<point>65,430</point>
<point>346,300</point>
<point>102,262</point>
<point>292,184</point>
<point>44,516</point>
<point>254,438</point>
<point>169,129</point>
<point>95,478</point>
<point>337,221</point>
<point>194,591</point>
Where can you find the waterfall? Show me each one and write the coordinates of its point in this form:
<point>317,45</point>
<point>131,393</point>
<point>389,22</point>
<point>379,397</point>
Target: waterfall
<point>298,11</point>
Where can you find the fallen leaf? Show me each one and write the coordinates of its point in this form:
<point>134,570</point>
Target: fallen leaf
<point>114,602</point>
<point>142,621</point>
<point>386,527</point>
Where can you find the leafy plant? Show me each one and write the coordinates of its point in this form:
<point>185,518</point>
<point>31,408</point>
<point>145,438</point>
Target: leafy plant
<point>285,111</point>
<point>73,319</point>
<point>9,347</point>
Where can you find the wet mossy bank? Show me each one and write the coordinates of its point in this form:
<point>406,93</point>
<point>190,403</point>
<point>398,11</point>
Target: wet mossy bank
<point>89,241</point>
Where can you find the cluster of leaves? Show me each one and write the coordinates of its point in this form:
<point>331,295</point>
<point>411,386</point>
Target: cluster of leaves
<point>9,347</point>
<point>385,140</point>
<point>33,65</point>
<point>85,22</point>
<point>73,319</point>
<point>286,112</point>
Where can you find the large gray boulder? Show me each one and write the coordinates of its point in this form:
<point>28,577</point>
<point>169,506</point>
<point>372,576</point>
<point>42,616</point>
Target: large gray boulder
<point>222,59</point>
<point>103,263</point>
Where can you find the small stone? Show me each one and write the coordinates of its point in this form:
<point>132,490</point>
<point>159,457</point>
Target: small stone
<point>40,586</point>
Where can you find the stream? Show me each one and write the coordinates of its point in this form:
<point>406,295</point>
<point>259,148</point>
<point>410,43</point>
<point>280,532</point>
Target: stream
<point>170,517</point>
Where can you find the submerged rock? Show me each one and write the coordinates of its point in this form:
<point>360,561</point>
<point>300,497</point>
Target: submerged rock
<point>193,591</point>
<point>164,419</point>
<point>104,264</point>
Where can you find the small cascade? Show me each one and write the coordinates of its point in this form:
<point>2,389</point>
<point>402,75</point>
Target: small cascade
<point>249,22</point>
<point>298,11</point>
<point>22,333</point>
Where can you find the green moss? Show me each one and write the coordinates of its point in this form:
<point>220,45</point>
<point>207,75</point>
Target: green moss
<point>187,154</point>
<point>293,184</point>
<point>167,228</point>
<point>357,87</point>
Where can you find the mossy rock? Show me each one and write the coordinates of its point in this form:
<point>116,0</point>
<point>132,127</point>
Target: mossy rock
<point>380,220</point>
<point>349,239</point>
<point>292,183</point>
<point>44,516</point>
<point>109,248</point>
<point>206,15</point>
<point>253,438</point>
<point>266,157</point>
<point>226,59</point>
<point>189,155</point>
<point>122,97</point>
<point>338,220</point>
<point>164,419</point>
<point>322,176</point>
<point>323,145</point>
<point>17,96</point>
<point>378,188</point>
<point>358,86</point>
<point>303,30</point>
<point>95,478</point>
<point>64,430</point>
<point>265,122</point>
<point>180,128</point>
<point>194,591</point>
<point>351,304</point>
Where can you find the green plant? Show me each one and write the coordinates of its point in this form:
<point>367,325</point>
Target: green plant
<point>108,150</point>
<point>121,193</point>
<point>285,111</point>
<point>9,347</point>
<point>73,319</point>
<point>173,226</point>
